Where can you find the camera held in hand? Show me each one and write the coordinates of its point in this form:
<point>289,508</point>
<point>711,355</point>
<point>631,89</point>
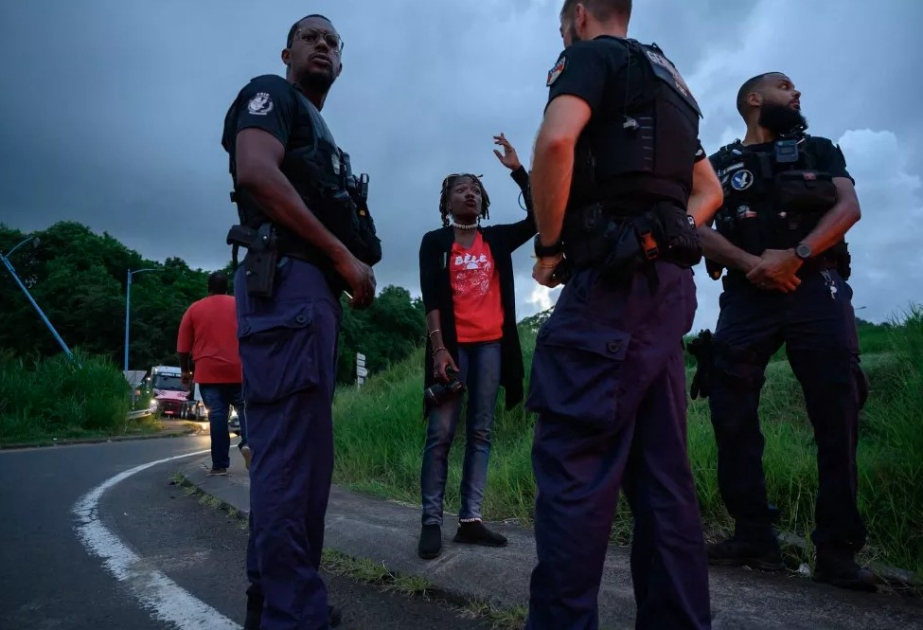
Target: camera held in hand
<point>442,392</point>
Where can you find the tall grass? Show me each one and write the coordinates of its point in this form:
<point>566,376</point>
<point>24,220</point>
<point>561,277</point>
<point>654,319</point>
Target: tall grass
<point>54,397</point>
<point>380,432</point>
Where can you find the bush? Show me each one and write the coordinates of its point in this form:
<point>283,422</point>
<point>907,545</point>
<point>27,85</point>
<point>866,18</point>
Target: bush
<point>55,397</point>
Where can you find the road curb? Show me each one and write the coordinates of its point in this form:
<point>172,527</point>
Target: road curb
<point>99,440</point>
<point>454,597</point>
<point>384,532</point>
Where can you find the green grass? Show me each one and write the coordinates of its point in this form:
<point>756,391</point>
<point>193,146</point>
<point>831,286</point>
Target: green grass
<point>380,431</point>
<point>53,398</point>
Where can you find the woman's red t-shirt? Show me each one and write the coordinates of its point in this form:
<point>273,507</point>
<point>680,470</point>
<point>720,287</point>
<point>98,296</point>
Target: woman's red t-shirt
<point>476,293</point>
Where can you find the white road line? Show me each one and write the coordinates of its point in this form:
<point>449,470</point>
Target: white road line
<point>163,598</point>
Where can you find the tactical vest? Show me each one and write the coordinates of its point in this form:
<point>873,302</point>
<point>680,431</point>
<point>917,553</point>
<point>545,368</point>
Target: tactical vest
<point>772,200</point>
<point>321,174</point>
<point>646,144</point>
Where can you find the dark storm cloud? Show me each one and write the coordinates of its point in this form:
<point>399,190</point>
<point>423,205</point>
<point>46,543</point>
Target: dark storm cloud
<point>112,111</point>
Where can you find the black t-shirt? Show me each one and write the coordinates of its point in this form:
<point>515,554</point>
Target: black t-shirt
<point>270,103</point>
<point>594,71</point>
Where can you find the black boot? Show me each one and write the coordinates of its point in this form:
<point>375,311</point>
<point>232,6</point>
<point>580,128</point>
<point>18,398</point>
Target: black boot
<point>837,566</point>
<point>254,611</point>
<point>335,615</point>
<point>430,542</point>
<point>736,552</point>
<point>474,533</point>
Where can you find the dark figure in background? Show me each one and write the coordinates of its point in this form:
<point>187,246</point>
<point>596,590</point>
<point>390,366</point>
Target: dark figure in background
<point>309,236</point>
<point>466,278</point>
<point>788,202</point>
<point>619,183</point>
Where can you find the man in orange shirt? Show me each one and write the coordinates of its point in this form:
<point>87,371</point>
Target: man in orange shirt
<point>208,337</point>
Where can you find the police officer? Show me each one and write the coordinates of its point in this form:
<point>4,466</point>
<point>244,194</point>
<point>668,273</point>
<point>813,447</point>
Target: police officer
<point>619,183</point>
<point>305,224</point>
<point>788,202</point>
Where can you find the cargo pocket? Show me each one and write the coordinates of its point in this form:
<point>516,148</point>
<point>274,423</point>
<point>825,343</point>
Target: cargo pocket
<point>279,352</point>
<point>576,371</point>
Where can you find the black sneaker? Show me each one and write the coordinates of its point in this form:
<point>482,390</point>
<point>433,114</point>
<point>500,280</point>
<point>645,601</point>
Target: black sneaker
<point>217,472</point>
<point>838,567</point>
<point>474,533</point>
<point>430,542</point>
<point>735,552</point>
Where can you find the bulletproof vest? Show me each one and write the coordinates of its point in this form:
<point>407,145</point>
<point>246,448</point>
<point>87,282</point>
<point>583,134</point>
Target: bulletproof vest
<point>647,143</point>
<point>322,175</point>
<point>772,199</point>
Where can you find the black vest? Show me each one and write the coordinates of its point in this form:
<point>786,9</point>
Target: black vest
<point>644,145</point>
<point>321,174</point>
<point>772,199</point>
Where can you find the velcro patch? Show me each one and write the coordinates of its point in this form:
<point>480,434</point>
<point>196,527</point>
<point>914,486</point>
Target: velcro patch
<point>556,71</point>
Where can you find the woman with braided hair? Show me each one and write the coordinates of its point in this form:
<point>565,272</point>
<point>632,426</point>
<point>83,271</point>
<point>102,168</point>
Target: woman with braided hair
<point>466,277</point>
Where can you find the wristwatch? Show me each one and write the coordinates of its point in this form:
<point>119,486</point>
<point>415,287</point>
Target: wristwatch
<point>547,251</point>
<point>802,251</point>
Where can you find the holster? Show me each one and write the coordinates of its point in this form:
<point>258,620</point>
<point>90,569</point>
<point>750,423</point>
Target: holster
<point>703,350</point>
<point>262,258</point>
<point>621,245</point>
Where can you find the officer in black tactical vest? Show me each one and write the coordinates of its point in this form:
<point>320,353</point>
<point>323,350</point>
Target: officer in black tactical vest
<point>309,237</point>
<point>619,183</point>
<point>788,203</point>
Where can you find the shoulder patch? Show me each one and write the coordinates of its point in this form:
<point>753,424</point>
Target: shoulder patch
<point>260,104</point>
<point>556,71</point>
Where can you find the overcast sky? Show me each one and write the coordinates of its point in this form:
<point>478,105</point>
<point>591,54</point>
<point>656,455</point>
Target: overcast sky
<point>112,112</point>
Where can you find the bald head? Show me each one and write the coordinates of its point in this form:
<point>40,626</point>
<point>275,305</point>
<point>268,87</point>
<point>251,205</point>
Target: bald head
<point>602,10</point>
<point>769,88</point>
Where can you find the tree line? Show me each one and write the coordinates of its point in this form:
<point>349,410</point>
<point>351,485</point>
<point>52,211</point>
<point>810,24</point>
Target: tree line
<point>78,278</point>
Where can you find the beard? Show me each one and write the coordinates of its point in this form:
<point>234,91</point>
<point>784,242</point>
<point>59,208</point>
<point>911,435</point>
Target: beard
<point>572,31</point>
<point>318,82</point>
<point>781,119</point>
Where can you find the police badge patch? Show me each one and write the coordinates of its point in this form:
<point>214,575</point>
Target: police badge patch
<point>556,71</point>
<point>260,105</point>
<point>741,180</point>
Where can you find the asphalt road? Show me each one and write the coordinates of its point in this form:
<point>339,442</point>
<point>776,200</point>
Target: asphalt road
<point>49,580</point>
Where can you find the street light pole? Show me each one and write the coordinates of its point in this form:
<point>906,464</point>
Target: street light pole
<point>128,308</point>
<point>32,301</point>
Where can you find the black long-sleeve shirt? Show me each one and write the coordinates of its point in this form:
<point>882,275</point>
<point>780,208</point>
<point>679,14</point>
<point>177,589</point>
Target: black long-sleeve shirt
<point>435,284</point>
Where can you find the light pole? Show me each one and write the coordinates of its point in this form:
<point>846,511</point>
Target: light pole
<point>41,314</point>
<point>128,308</point>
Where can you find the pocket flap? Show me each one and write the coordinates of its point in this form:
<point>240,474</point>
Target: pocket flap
<point>296,315</point>
<point>588,336</point>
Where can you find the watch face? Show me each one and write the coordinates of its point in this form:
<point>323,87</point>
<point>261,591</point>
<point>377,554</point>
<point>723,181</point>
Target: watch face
<point>803,251</point>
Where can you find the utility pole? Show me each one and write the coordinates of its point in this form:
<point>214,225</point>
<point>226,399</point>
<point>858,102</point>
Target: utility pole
<point>32,301</point>
<point>128,308</point>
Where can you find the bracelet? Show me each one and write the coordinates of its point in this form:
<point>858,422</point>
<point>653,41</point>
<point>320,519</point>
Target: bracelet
<point>552,266</point>
<point>434,332</point>
<point>438,349</point>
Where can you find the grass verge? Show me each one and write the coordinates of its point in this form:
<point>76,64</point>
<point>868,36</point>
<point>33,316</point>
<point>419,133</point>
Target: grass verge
<point>380,431</point>
<point>54,398</point>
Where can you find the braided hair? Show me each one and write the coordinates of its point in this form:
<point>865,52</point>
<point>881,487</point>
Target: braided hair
<point>447,185</point>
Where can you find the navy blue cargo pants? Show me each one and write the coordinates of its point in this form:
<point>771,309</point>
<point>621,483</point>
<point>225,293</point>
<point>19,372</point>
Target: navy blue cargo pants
<point>609,386</point>
<point>288,349</point>
<point>817,325</point>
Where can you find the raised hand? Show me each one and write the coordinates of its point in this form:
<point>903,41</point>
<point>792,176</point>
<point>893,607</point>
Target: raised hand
<point>508,158</point>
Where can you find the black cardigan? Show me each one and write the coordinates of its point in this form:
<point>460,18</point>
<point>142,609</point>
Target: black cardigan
<point>435,284</point>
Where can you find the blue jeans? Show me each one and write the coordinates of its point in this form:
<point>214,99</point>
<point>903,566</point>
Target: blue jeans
<point>479,370</point>
<point>218,398</point>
